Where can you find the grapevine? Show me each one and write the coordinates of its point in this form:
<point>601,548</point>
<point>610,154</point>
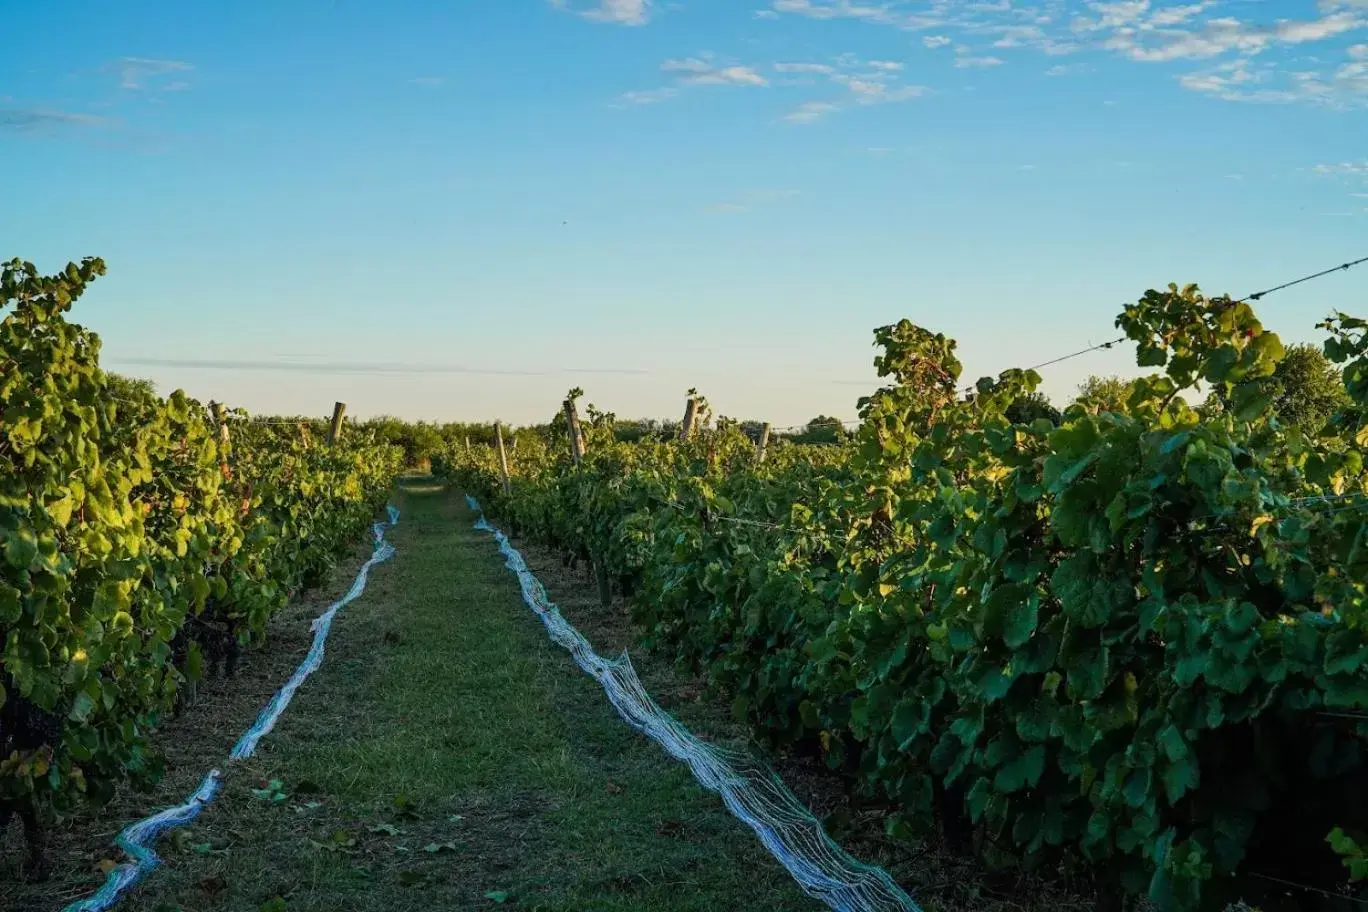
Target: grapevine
<point>1114,642</point>
<point>123,517</point>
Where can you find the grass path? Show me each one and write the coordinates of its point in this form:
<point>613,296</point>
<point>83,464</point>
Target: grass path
<point>449,756</point>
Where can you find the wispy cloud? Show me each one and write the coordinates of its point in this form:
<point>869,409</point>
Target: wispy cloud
<point>648,96</point>
<point>687,72</point>
<point>861,82</point>
<point>21,120</point>
<point>352,367</point>
<point>749,200</point>
<point>1068,69</point>
<point>427,82</point>
<point>617,12</point>
<point>1200,32</point>
<point>140,72</point>
<point>856,81</point>
<point>696,71</point>
<point>965,62</point>
<point>886,13</point>
<point>811,112</point>
<point>1345,169</point>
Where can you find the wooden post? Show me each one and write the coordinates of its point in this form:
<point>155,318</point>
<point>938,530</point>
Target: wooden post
<point>467,443</point>
<point>335,432</point>
<point>690,416</point>
<point>763,444</point>
<point>503,458</point>
<point>223,439</point>
<point>572,424</point>
<point>304,434</point>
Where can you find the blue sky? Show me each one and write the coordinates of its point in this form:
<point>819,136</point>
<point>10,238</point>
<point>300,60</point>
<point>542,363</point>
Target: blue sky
<point>727,194</point>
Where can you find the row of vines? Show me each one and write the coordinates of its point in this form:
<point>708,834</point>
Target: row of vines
<point>1129,643</point>
<point>137,544</point>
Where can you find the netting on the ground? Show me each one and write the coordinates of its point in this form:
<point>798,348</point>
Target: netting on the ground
<point>752,792</point>
<point>137,840</point>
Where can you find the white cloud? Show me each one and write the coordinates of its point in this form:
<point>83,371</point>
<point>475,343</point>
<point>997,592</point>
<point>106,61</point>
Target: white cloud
<point>819,69</point>
<point>1112,15</point>
<point>649,96</point>
<point>687,72</point>
<point>617,12</point>
<point>864,82</point>
<point>879,13</point>
<point>136,72</point>
<point>1202,32</point>
<point>1349,169</point>
<point>978,62</point>
<point>1177,15</point>
<point>1068,69</point>
<point>811,112</point>
<point>25,121</point>
<point>1018,35</point>
<point>694,71</point>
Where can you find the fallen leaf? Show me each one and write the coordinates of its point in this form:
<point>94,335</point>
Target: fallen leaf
<point>432,848</point>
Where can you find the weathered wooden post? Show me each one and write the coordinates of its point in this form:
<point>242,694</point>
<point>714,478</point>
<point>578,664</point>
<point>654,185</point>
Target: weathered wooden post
<point>572,424</point>
<point>503,458</point>
<point>335,432</point>
<point>690,416</point>
<point>223,438</point>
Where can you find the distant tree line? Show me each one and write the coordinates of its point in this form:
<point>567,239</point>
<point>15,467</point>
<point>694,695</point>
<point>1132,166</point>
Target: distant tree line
<point>1306,388</point>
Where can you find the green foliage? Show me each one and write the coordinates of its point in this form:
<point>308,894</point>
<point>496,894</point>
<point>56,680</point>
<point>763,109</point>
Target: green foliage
<point>1030,407</point>
<point>121,515</point>
<point>1306,389</point>
<point>822,429</point>
<point>135,388</point>
<point>419,441</point>
<point>1351,851</point>
<point>1106,640</point>
<point>1103,394</point>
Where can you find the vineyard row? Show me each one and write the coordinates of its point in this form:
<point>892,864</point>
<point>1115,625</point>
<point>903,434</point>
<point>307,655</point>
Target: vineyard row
<point>1128,639</point>
<point>142,545</point>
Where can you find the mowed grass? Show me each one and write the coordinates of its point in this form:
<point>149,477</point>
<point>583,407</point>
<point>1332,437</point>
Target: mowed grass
<point>447,755</point>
